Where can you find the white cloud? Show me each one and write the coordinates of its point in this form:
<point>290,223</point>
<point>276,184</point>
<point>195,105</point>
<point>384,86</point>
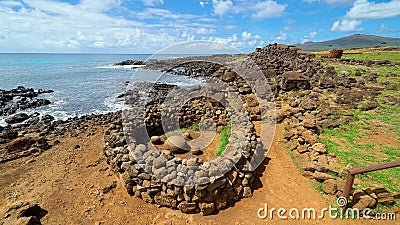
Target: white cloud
<point>53,26</point>
<point>332,2</point>
<point>280,38</point>
<point>340,2</point>
<point>346,26</point>
<point>222,6</point>
<point>310,36</point>
<point>363,9</point>
<point>288,28</point>
<point>99,6</point>
<point>204,3</point>
<point>289,21</point>
<point>73,44</point>
<point>245,41</point>
<point>313,34</point>
<point>10,3</point>
<point>383,29</point>
<point>250,39</point>
<point>205,31</point>
<point>246,35</point>
<point>267,9</point>
<point>49,26</point>
<point>155,13</point>
<point>187,36</point>
<point>255,8</point>
<point>153,2</point>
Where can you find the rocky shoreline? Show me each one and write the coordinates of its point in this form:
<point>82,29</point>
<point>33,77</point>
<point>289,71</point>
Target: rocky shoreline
<point>21,98</point>
<point>308,97</point>
<point>25,139</point>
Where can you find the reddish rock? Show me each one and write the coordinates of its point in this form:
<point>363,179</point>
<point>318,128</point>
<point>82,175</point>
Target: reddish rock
<point>329,186</point>
<point>309,137</point>
<point>340,184</point>
<point>302,149</point>
<point>322,176</point>
<point>294,80</point>
<point>165,200</point>
<point>319,147</point>
<point>365,201</point>
<point>188,207</point>
<point>308,174</point>
<point>335,54</point>
<point>207,208</point>
<point>303,160</point>
<point>386,198</point>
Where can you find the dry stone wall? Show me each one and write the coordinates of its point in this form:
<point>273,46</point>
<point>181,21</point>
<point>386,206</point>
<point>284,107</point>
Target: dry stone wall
<point>190,185</point>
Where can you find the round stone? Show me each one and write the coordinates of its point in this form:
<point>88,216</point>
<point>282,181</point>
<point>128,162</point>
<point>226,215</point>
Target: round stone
<point>176,144</point>
<point>196,151</point>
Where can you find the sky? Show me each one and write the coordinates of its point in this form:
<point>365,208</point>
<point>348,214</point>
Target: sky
<point>148,26</point>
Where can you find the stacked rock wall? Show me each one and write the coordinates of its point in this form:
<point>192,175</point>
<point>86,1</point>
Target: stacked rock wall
<point>280,59</point>
<point>305,116</point>
<point>189,185</point>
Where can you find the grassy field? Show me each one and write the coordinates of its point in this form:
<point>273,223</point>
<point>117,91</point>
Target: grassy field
<point>355,143</point>
<point>389,73</point>
<point>368,54</point>
<point>393,56</point>
<point>371,137</point>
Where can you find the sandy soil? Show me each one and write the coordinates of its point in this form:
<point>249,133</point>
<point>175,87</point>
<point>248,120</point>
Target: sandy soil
<point>69,183</point>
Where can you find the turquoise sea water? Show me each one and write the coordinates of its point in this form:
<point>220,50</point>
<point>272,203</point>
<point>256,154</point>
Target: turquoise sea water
<point>82,83</point>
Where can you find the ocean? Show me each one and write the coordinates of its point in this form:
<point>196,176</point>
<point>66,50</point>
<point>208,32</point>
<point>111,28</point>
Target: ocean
<point>82,83</point>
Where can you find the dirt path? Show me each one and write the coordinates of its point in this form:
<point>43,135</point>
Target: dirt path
<point>71,183</point>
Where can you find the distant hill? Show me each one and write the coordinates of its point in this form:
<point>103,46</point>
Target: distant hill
<point>353,41</point>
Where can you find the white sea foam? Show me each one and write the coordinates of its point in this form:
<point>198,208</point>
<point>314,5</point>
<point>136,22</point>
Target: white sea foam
<point>121,67</point>
<point>114,104</point>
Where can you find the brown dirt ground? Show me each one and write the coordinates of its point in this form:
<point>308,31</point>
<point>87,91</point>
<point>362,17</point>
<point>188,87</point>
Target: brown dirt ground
<point>68,182</point>
<point>380,135</point>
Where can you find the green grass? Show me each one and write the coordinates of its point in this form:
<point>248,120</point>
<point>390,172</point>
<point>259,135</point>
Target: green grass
<point>391,151</point>
<point>384,72</point>
<point>224,139</point>
<point>316,186</point>
<point>343,141</point>
<point>393,56</point>
<point>386,208</point>
<point>195,127</point>
<point>351,142</point>
<point>293,159</point>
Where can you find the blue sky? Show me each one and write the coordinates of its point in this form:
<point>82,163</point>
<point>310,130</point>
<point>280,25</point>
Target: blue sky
<point>147,26</point>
